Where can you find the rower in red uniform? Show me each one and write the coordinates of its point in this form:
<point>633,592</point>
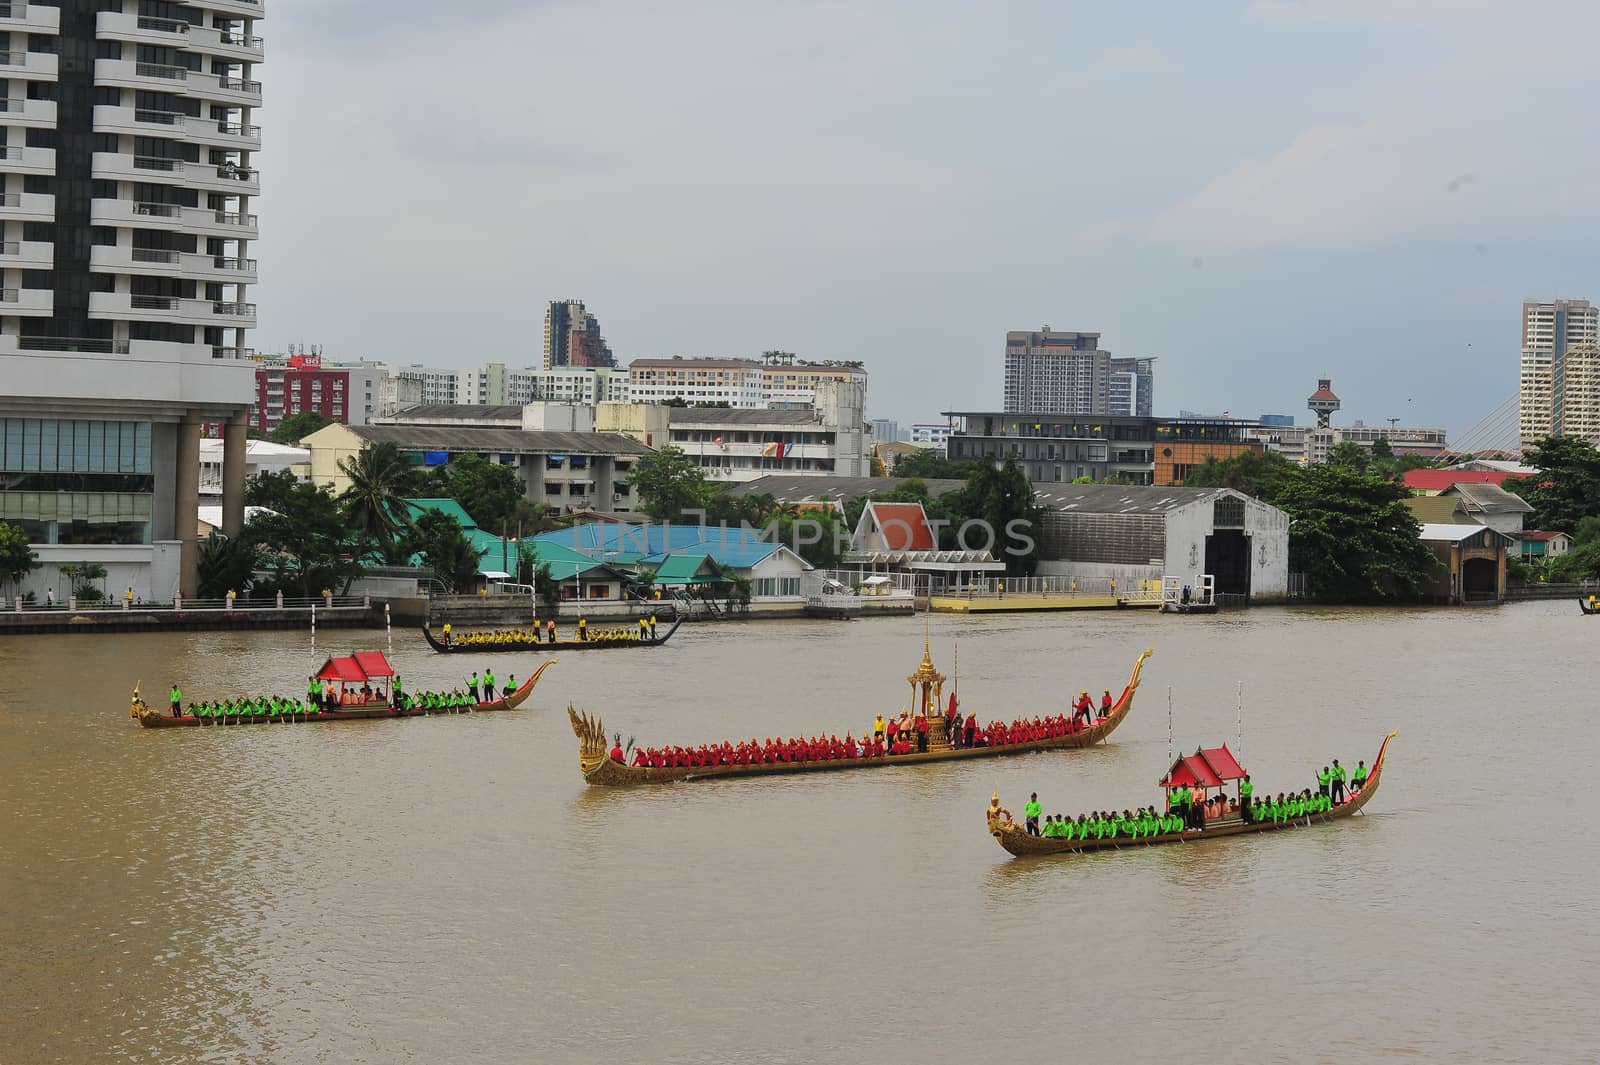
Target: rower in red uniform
<point>1105,704</point>
<point>616,753</point>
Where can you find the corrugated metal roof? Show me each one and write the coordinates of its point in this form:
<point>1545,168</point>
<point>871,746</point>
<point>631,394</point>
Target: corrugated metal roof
<point>480,412</point>
<point>793,488</point>
<point>738,416</point>
<point>1489,499</point>
<point>503,441</point>
<point>1453,532</point>
<point>1122,498</point>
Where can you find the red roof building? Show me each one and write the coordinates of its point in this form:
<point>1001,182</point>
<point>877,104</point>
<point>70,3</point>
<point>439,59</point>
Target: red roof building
<point>895,527</point>
<point>357,668</point>
<point>1432,482</point>
<point>1209,767</point>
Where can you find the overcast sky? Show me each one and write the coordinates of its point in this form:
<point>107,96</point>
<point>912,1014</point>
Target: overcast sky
<point>1257,193</point>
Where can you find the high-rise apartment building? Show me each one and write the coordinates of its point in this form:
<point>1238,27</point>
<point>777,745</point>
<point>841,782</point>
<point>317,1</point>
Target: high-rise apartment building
<point>572,337</point>
<point>129,171</point>
<point>1131,391</point>
<point>1055,372</point>
<point>127,174</point>
<point>1556,392</point>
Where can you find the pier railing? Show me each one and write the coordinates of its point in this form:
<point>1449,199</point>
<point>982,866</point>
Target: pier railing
<point>235,604</point>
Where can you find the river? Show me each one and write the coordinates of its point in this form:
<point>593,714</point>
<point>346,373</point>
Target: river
<point>448,890</point>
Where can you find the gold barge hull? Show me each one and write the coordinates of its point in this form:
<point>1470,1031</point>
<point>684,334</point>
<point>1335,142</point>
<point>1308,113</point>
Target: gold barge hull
<point>600,770</point>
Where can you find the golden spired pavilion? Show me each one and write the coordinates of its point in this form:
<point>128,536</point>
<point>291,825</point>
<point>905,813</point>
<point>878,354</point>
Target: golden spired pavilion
<point>927,687</point>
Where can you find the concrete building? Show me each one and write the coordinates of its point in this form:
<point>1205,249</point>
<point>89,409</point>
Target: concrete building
<point>128,177</point>
<point>348,394</point>
<point>1132,534</point>
<point>1056,372</point>
<point>734,445</point>
<point>745,384</point>
<point>260,456</point>
<point>566,471</point>
<point>125,231</point>
<point>884,430</point>
<point>405,386</point>
<point>1131,388</point>
<point>1491,505</point>
<point>1062,447</point>
<point>931,434</point>
<point>736,382</point>
<point>572,337</point>
<point>573,384</point>
<point>1549,330</point>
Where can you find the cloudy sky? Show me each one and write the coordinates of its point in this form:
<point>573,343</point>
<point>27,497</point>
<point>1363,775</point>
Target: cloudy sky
<point>1258,193</point>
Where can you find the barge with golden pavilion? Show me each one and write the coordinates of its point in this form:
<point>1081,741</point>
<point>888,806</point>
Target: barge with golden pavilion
<point>604,765</point>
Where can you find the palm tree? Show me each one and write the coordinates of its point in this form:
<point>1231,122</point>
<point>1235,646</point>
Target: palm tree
<point>374,504</point>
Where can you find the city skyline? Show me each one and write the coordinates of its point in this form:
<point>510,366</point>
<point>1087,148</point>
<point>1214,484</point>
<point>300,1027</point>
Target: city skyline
<point>1379,227</point>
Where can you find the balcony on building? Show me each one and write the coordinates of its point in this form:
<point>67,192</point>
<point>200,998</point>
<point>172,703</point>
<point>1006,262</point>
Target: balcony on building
<point>19,17</point>
<point>27,302</point>
<point>132,74</point>
<point>115,166</point>
<point>29,114</point>
<point>228,178</point>
<point>246,8</point>
<point>123,259</point>
<point>124,306</point>
<point>142,29</point>
<point>225,268</point>
<point>18,159</point>
<point>233,43</point>
<point>27,255</point>
<point>28,66</point>
<point>218,133</point>
<point>224,88</point>
<point>27,207</point>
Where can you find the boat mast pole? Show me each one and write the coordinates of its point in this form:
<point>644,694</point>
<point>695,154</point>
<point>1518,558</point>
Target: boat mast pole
<point>1169,724</point>
<point>1241,719</point>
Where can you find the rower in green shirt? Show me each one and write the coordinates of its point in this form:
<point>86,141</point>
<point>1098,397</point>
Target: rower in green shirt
<point>1358,776</point>
<point>1247,791</point>
<point>1324,780</point>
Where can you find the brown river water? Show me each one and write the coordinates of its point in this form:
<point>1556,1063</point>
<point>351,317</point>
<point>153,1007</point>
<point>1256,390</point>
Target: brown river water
<point>447,890</point>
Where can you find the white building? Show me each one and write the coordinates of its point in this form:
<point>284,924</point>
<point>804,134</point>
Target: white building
<point>571,384</point>
<point>1134,534</point>
<point>1548,331</point>
<point>260,456</point>
<point>745,384</point>
<point>406,385</point>
<point>931,434</point>
<point>125,228</point>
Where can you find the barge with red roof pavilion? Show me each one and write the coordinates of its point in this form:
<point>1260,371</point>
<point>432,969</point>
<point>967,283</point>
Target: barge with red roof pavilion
<point>363,682</point>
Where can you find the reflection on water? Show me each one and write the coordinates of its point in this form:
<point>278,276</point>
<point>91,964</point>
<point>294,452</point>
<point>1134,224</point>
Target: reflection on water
<point>447,889</point>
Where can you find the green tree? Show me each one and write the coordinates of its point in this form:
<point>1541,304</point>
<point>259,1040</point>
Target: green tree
<point>1567,488</point>
<point>445,549</point>
<point>296,427</point>
<point>225,564</point>
<point>931,464</point>
<point>530,570</point>
<point>667,483</point>
<point>374,504</point>
<point>1381,448</point>
<point>1255,473</point>
<point>1003,500</point>
<point>486,490</point>
<point>302,540</point>
<point>1352,536</point>
<point>17,559</point>
<point>1350,454</point>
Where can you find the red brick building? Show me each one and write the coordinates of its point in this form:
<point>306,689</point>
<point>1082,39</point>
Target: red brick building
<point>346,395</point>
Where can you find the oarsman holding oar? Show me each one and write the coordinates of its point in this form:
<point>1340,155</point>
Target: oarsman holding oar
<point>1338,783</point>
